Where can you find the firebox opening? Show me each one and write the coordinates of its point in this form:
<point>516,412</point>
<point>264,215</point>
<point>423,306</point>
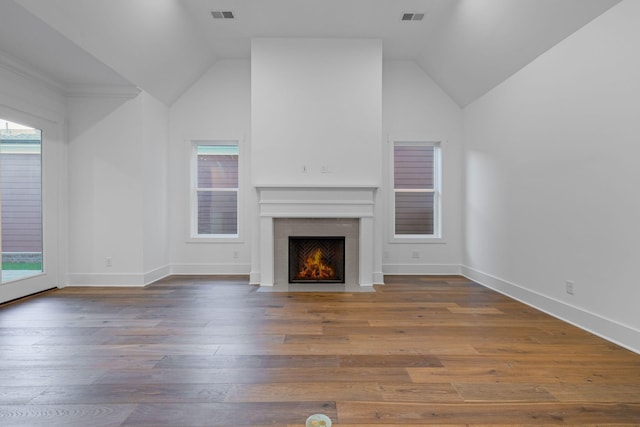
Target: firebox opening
<point>314,259</point>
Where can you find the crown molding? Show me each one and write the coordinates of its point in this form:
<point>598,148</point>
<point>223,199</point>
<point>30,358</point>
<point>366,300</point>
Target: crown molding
<point>26,72</point>
<point>101,91</point>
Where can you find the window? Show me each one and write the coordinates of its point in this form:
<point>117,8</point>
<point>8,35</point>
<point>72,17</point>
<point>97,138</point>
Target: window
<point>416,190</point>
<point>215,189</point>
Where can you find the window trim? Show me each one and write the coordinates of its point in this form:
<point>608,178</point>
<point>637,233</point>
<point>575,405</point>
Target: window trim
<point>437,236</point>
<point>193,236</point>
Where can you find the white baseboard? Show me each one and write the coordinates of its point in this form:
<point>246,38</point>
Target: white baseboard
<point>608,329</point>
<point>118,279</point>
<point>157,274</point>
<point>144,279</point>
<point>378,278</point>
<point>211,269</point>
<point>254,278</point>
<point>87,279</point>
<point>421,269</point>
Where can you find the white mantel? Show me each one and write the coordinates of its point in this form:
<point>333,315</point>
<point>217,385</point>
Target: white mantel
<point>277,201</point>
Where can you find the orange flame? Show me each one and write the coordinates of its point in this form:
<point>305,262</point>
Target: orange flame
<point>315,269</point>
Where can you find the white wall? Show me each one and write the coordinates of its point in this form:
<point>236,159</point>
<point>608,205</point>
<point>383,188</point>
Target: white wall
<point>217,106</point>
<point>551,179</point>
<point>116,154</point>
<point>415,108</point>
<point>316,103</point>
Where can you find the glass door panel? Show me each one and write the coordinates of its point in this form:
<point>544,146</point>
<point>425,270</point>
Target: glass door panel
<point>21,201</point>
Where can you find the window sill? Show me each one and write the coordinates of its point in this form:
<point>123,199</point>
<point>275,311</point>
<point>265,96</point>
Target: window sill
<point>418,240</point>
<point>206,239</point>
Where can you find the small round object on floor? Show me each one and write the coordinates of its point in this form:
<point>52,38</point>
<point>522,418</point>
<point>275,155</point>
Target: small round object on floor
<point>318,420</point>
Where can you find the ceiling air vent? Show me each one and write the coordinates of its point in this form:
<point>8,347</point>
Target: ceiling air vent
<point>410,16</point>
<point>227,14</point>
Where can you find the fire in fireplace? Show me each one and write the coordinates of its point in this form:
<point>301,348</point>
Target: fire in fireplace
<point>316,259</point>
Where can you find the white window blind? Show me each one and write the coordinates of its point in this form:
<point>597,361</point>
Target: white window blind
<point>216,190</point>
<point>415,189</point>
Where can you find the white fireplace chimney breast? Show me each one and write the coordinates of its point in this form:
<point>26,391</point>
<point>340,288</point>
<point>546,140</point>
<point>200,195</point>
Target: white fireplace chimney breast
<point>316,111</point>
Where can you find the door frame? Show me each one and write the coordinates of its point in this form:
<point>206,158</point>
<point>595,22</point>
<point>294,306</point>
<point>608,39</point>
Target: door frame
<point>53,196</point>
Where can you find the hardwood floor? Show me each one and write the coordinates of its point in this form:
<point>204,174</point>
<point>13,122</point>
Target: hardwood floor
<point>211,351</point>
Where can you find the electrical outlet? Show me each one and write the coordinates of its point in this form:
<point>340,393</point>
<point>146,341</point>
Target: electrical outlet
<point>108,262</point>
<point>235,255</point>
<point>569,285</point>
<point>415,254</point>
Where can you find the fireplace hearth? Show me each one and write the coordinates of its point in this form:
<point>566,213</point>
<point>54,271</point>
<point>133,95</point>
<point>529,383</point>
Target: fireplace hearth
<point>316,259</point>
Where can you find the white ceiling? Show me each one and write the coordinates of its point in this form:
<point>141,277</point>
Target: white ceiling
<point>152,43</point>
<point>163,46</point>
<point>34,46</point>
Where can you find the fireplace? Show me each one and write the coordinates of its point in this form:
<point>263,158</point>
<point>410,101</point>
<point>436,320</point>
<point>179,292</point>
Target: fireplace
<point>320,211</point>
<point>316,259</point>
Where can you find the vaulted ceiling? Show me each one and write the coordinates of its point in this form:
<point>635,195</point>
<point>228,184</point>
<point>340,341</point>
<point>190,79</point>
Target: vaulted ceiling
<point>163,46</point>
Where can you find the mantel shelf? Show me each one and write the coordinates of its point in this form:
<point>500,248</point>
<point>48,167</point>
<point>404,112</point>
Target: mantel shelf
<point>317,186</point>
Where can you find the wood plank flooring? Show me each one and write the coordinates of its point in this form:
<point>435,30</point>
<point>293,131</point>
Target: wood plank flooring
<point>211,351</point>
